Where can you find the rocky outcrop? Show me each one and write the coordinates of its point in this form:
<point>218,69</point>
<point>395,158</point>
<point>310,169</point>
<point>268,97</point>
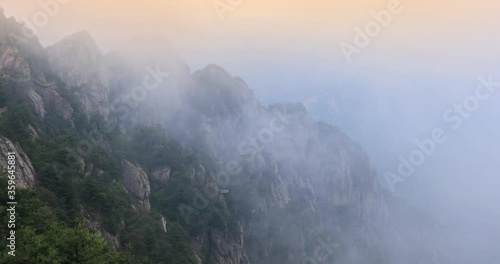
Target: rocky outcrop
<point>161,175</point>
<point>59,105</point>
<point>226,248</point>
<point>164,224</point>
<point>136,182</point>
<point>25,72</point>
<point>79,63</point>
<point>96,226</point>
<point>24,171</point>
<point>223,247</point>
<point>13,63</point>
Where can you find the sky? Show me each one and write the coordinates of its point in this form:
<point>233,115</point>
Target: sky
<point>260,28</point>
<point>290,50</point>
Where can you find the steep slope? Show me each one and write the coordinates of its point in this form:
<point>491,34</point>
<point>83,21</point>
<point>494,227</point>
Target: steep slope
<point>24,76</point>
<point>25,173</point>
<point>80,64</point>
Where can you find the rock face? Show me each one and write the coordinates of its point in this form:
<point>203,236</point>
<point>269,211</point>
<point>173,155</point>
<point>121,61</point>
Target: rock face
<point>79,63</point>
<point>136,182</point>
<point>24,172</point>
<point>227,248</point>
<point>25,72</point>
<point>161,175</point>
<point>13,63</point>
<point>224,246</point>
<point>97,227</point>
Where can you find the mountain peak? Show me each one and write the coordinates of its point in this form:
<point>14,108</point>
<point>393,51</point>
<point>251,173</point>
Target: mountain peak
<point>79,40</point>
<point>215,70</point>
<point>79,63</point>
<point>82,34</point>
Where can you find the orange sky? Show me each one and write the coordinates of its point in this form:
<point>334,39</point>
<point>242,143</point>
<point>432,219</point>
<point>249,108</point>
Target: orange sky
<point>295,26</point>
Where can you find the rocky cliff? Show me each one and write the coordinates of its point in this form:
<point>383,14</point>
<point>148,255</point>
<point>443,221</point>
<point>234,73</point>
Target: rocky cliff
<point>24,71</point>
<point>24,171</point>
<point>80,64</point>
<point>137,183</point>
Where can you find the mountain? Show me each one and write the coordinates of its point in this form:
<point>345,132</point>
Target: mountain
<point>80,64</point>
<point>173,166</point>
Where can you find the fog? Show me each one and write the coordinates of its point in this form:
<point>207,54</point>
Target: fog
<point>394,92</point>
